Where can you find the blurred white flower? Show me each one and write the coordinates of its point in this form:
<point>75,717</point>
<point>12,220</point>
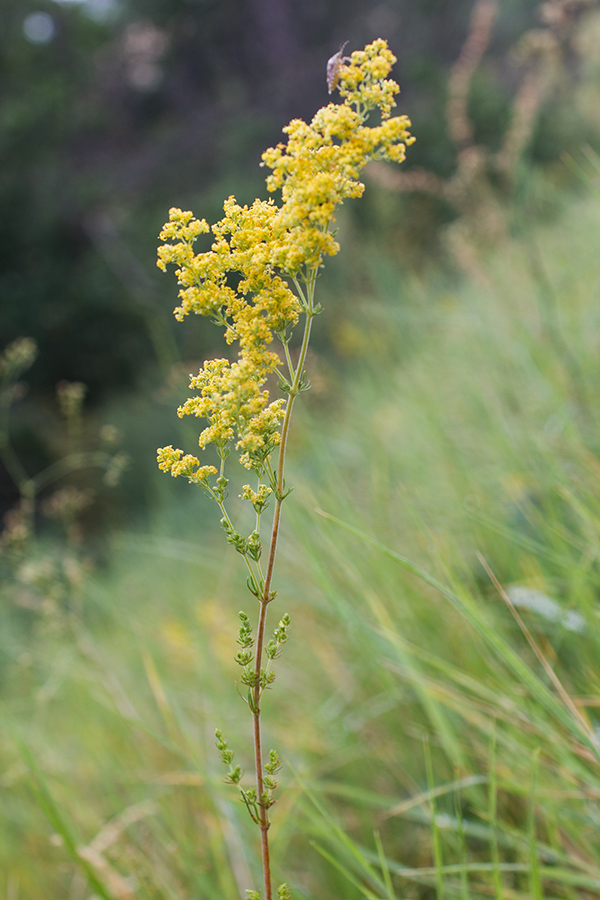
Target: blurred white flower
<point>545,606</point>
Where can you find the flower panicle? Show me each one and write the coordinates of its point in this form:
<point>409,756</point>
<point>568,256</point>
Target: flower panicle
<point>248,280</point>
<point>175,462</point>
<point>255,278</point>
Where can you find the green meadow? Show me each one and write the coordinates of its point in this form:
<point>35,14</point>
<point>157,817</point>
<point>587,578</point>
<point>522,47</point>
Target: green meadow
<point>437,707</point>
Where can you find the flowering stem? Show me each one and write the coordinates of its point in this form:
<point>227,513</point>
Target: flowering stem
<point>274,249</point>
<point>266,597</point>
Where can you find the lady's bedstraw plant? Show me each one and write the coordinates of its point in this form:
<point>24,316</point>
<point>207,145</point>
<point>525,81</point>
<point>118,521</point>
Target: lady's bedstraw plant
<point>258,281</point>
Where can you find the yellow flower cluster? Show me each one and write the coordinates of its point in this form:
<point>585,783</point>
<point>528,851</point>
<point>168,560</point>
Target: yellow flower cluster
<point>264,246</point>
<point>231,399</point>
<point>169,460</point>
<point>319,166</point>
<point>259,498</point>
<point>363,81</point>
<point>244,241</point>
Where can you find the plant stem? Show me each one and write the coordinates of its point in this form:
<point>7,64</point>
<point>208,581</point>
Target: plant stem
<point>266,598</point>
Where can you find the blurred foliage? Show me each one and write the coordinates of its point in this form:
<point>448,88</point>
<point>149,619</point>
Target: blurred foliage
<point>112,111</point>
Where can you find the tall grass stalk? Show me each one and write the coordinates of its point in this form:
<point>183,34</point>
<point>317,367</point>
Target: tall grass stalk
<point>534,869</point>
<point>435,831</point>
<point>493,815</point>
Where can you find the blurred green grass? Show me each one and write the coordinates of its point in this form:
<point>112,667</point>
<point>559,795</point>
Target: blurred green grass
<point>435,746</point>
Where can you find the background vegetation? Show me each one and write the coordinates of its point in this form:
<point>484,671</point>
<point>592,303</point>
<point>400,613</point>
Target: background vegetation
<point>438,701</point>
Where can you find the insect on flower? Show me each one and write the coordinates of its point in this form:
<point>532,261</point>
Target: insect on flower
<point>333,67</point>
